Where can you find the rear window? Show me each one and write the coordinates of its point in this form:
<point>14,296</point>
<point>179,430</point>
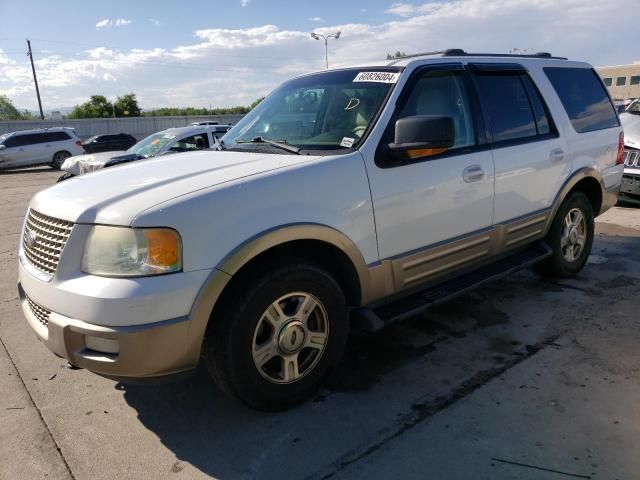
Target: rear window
<point>584,98</point>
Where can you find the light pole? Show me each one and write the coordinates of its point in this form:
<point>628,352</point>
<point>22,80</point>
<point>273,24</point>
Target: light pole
<point>317,36</point>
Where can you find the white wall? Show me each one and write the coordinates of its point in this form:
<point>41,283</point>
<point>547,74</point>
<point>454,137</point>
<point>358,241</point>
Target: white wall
<point>139,127</point>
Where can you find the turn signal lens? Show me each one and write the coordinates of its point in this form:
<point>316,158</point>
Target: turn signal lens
<point>163,247</point>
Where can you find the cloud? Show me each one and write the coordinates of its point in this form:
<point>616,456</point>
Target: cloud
<point>155,22</point>
<point>226,67</point>
<point>244,3</point>
<point>118,22</point>
<point>316,19</point>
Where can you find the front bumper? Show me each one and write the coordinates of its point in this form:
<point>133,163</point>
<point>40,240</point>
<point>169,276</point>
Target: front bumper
<point>157,349</point>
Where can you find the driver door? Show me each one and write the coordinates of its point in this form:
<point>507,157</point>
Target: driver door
<point>431,201</point>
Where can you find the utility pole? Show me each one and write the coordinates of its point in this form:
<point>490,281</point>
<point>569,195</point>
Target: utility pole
<point>317,36</point>
<point>35,79</point>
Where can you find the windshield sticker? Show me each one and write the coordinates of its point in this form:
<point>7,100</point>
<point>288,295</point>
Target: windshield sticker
<point>379,77</point>
<point>347,142</point>
<point>353,103</point>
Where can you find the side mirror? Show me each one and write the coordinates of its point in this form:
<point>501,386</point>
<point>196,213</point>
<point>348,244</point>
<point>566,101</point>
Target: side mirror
<point>422,135</point>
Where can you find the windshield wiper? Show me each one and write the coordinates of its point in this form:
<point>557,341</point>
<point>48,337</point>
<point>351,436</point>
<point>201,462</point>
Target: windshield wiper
<point>282,145</point>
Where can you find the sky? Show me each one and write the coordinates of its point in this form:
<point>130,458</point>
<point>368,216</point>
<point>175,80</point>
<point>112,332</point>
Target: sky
<point>225,53</point>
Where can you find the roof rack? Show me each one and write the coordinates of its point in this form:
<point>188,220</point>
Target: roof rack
<point>458,52</point>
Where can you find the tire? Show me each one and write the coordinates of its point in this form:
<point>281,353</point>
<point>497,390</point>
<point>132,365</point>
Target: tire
<point>58,159</point>
<point>563,264</point>
<point>249,318</point>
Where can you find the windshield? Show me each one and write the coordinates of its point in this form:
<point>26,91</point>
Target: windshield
<point>323,111</point>
<point>151,146</point>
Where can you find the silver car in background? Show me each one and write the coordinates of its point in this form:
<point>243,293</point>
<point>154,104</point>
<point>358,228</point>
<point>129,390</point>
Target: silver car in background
<point>172,140</point>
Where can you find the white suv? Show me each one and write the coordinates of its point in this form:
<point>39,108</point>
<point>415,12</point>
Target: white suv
<point>41,146</point>
<point>352,197</point>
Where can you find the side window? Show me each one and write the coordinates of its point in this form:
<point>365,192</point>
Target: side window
<point>34,138</point>
<point>14,141</point>
<point>505,101</point>
<point>443,92</point>
<point>608,81</point>
<point>57,137</point>
<point>584,98</point>
<point>194,142</point>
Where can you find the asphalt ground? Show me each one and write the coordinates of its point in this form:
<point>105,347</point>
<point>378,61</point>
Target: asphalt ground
<point>525,378</point>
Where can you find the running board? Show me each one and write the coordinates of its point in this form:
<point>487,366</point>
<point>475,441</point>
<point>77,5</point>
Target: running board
<point>374,319</point>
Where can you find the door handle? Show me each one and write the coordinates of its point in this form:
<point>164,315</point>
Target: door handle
<point>556,155</point>
<point>472,173</point>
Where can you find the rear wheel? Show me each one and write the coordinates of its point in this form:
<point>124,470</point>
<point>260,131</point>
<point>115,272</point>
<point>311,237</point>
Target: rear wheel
<point>59,158</point>
<point>278,337</point>
<point>570,237</point>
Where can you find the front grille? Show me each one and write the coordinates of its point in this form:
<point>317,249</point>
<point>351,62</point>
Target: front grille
<point>41,313</point>
<point>632,158</point>
<point>43,240</point>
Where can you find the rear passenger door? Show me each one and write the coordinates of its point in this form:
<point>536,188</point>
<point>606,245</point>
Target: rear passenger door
<point>531,161</point>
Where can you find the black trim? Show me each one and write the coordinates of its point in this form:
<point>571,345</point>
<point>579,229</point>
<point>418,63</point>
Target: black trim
<point>496,68</point>
<point>383,157</point>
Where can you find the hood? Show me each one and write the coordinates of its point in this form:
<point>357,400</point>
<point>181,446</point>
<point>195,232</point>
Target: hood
<point>631,126</point>
<point>116,195</point>
<point>81,164</point>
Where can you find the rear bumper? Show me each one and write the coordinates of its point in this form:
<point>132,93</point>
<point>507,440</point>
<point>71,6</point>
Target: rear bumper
<point>630,189</point>
<point>151,350</point>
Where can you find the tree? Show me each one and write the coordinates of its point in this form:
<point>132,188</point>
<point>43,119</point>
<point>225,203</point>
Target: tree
<point>97,107</point>
<point>127,106</point>
<point>396,55</point>
<point>255,103</point>
<point>7,110</point>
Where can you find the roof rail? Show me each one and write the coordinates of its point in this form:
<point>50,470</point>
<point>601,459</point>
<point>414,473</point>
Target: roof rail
<point>458,52</point>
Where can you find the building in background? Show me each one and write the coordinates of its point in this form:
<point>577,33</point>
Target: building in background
<point>623,81</point>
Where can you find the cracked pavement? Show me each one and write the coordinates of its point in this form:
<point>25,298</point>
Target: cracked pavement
<point>525,378</point>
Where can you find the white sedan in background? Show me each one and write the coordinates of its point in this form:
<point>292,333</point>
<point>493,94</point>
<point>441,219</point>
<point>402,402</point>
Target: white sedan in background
<point>172,140</point>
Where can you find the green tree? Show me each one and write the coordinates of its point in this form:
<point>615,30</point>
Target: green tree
<point>97,107</point>
<point>255,103</point>
<point>7,110</point>
<point>396,55</point>
<point>127,106</point>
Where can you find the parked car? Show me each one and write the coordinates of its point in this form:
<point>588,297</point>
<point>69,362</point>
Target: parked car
<point>108,143</point>
<point>347,198</point>
<point>630,190</point>
<point>39,146</point>
<point>172,140</point>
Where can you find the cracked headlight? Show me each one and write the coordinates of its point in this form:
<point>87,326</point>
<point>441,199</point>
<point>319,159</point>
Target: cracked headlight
<point>131,252</point>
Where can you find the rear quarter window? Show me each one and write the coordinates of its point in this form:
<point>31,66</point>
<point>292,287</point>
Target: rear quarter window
<point>584,98</point>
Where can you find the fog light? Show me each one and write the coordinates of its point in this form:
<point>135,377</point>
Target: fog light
<point>103,345</point>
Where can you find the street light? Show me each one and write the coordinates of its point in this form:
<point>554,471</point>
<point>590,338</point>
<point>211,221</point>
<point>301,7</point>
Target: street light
<point>317,36</point>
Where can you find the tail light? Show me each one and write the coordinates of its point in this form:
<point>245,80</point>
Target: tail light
<point>79,143</point>
<point>620,157</point>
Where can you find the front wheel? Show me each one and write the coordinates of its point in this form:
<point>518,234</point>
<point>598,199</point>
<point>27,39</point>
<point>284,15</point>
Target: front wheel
<point>570,237</point>
<point>58,159</point>
<point>279,337</point>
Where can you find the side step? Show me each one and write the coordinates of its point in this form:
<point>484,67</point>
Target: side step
<point>372,320</point>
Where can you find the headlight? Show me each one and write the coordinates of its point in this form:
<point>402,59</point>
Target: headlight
<point>132,252</point>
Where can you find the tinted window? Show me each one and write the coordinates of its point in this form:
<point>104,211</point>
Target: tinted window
<point>194,142</point>
<point>34,138</point>
<point>583,97</point>
<point>621,81</point>
<point>441,92</point>
<point>607,81</point>
<point>635,80</point>
<point>56,136</point>
<point>507,105</point>
<point>14,141</point>
<point>540,111</point>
